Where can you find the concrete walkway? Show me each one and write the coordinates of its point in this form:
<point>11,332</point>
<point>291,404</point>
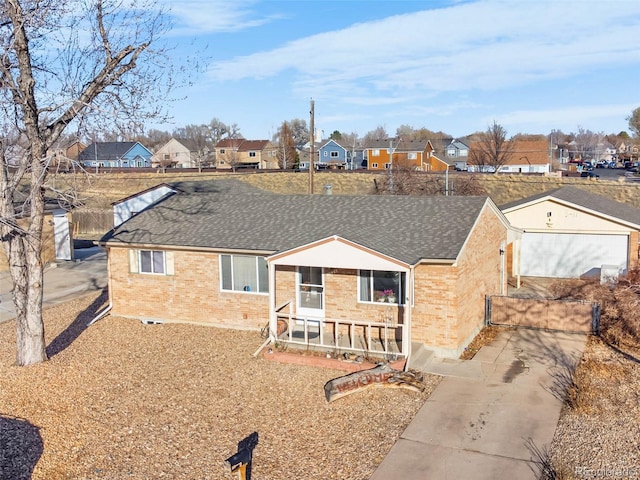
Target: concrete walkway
<point>63,280</point>
<point>482,423</point>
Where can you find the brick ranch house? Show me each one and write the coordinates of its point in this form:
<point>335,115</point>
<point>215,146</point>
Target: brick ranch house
<point>359,273</point>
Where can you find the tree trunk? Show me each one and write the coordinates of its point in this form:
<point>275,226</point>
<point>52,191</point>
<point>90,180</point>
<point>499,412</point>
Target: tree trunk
<point>27,276</point>
<point>381,376</point>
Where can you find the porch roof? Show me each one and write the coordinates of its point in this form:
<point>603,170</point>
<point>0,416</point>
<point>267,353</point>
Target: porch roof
<point>406,228</point>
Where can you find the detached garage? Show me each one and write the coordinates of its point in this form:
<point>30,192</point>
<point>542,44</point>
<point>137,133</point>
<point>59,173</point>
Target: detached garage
<point>571,233</point>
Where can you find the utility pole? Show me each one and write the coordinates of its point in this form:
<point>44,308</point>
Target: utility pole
<point>312,149</point>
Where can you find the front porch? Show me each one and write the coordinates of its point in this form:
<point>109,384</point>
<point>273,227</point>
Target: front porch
<point>377,339</point>
<point>337,297</point>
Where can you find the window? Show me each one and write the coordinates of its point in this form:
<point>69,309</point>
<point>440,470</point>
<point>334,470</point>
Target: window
<point>167,156</point>
<point>464,152</point>
<point>252,154</point>
<point>334,154</point>
<point>326,153</point>
<point>375,152</point>
<point>381,286</point>
<point>222,151</point>
<point>387,166</point>
<point>374,165</point>
<point>152,261</point>
<point>243,273</point>
<point>412,155</point>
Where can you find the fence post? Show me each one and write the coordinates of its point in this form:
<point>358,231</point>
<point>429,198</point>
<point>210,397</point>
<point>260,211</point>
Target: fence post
<point>487,310</point>
<point>595,318</point>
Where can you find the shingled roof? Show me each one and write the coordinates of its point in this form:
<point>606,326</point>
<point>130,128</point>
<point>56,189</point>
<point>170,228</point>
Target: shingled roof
<point>403,227</point>
<point>586,200</point>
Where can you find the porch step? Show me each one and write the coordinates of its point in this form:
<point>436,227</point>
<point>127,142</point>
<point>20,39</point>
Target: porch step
<point>421,356</point>
<point>424,360</point>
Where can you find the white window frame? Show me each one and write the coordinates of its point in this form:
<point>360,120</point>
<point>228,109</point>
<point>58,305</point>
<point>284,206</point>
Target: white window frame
<point>252,154</point>
<point>153,255</point>
<point>412,155</point>
<point>375,152</point>
<point>387,166</point>
<point>374,165</point>
<point>374,294</point>
<point>232,257</point>
<point>335,154</point>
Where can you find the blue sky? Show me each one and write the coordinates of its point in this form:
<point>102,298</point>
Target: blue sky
<point>454,66</point>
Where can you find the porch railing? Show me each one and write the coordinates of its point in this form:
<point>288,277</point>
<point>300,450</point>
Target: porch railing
<point>380,338</point>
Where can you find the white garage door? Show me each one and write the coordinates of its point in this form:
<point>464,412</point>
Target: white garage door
<point>571,255</point>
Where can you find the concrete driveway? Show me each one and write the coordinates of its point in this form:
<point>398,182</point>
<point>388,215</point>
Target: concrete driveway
<point>488,425</point>
<point>63,280</point>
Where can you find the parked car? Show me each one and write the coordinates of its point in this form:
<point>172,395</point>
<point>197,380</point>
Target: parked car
<point>613,165</point>
<point>589,174</point>
<point>601,164</point>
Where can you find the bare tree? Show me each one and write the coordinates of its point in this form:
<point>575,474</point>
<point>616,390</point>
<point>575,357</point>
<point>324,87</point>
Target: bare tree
<point>588,145</point>
<point>634,122</point>
<point>299,131</point>
<point>217,130</point>
<point>407,181</point>
<point>64,64</point>
<point>353,142</point>
<point>492,149</point>
<point>380,133</point>
<point>286,147</point>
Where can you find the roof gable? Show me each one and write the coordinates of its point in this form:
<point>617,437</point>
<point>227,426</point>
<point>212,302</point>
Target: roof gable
<point>585,201</point>
<point>343,254</point>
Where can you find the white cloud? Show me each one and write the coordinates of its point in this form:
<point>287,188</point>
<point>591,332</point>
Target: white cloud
<point>210,16</point>
<point>566,119</point>
<point>484,45</point>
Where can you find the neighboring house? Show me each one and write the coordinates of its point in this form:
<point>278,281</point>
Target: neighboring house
<point>232,153</point>
<point>304,155</point>
<point>457,154</point>
<point>395,153</point>
<point>527,156</point>
<point>404,270</point>
<point>57,235</point>
<point>570,232</point>
<point>182,153</point>
<point>334,154</point>
<point>64,157</point>
<point>115,155</point>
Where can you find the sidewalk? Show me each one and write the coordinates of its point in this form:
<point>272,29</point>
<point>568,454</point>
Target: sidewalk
<point>484,426</point>
<point>62,280</point>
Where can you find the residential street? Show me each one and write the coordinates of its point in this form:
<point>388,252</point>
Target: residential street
<point>62,280</point>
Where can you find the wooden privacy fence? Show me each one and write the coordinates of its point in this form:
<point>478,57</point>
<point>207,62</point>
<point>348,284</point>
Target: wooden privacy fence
<point>563,315</point>
<point>97,222</point>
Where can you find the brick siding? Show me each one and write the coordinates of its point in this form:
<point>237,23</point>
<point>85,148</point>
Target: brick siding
<point>448,310</point>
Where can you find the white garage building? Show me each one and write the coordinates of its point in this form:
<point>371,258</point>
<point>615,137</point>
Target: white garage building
<point>570,233</point>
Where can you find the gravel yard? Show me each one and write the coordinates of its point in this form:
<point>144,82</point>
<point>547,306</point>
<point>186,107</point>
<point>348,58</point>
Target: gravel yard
<point>600,436</point>
<point>124,400</point>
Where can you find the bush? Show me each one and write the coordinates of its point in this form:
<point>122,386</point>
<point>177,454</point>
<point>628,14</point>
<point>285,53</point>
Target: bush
<point>620,305</point>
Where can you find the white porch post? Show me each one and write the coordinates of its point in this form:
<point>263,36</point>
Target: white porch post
<point>273,320</point>
<point>406,334</point>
